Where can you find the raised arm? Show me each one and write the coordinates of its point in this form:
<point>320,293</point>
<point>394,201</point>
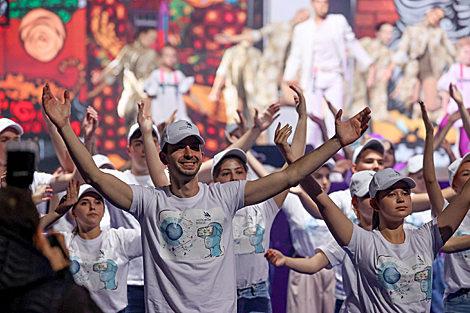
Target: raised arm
<point>306,266</point>
<point>113,189</point>
<point>65,204</point>
<point>457,244</point>
<point>457,96</point>
<point>154,164</point>
<point>432,185</point>
<point>346,133</point>
<point>449,220</point>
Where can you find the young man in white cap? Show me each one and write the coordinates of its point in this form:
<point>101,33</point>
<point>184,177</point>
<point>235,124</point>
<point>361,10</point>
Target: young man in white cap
<point>9,131</point>
<point>369,157</point>
<point>186,226</point>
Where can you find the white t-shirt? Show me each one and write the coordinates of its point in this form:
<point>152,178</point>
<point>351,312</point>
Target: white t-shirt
<point>187,243</point>
<point>38,180</point>
<point>307,233</point>
<point>251,234</point>
<point>395,277</point>
<point>337,258</point>
<point>167,89</point>
<point>101,264</point>
<point>342,199</point>
<point>121,218</point>
<point>457,265</point>
<point>325,54</point>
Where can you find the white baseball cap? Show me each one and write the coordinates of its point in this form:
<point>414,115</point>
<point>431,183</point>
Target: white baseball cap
<point>87,188</point>
<point>179,130</point>
<point>6,122</point>
<point>360,181</point>
<point>414,164</point>
<point>373,143</point>
<point>454,167</point>
<point>236,152</point>
<point>101,160</point>
<point>135,127</point>
<point>386,178</point>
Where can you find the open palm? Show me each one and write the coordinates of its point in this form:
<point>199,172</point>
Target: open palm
<point>144,118</point>
<point>349,131</point>
<point>59,113</point>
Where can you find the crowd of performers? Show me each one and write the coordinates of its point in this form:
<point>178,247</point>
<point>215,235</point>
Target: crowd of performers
<point>177,232</point>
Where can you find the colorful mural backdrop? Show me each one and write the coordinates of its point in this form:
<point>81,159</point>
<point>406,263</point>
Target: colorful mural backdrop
<point>66,42</point>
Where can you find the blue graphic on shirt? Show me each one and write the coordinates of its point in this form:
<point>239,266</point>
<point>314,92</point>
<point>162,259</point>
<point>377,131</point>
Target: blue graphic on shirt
<point>171,231</point>
<point>407,281</point>
<point>107,271</point>
<point>212,235</point>
<point>311,225</point>
<point>256,235</point>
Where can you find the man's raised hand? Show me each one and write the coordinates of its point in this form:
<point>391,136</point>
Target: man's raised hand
<point>59,113</point>
<point>349,131</point>
<point>280,139</point>
<point>455,94</point>
<point>427,122</point>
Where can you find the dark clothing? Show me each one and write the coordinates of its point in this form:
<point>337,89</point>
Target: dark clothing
<point>29,284</point>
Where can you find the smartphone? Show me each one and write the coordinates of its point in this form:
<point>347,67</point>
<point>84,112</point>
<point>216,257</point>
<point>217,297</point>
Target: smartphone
<point>21,163</point>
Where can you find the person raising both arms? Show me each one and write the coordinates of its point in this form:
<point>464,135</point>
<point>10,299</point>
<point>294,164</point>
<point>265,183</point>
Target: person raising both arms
<point>180,221</point>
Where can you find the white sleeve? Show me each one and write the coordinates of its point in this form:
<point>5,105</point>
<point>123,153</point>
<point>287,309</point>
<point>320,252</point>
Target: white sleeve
<point>142,198</point>
<point>333,252</point>
<point>271,209</point>
<point>447,78</point>
<point>295,56</point>
<point>184,83</point>
<point>355,47</point>
<point>359,243</point>
<point>429,234</point>
<point>131,242</point>
<point>232,194</point>
<point>40,179</point>
<point>152,84</point>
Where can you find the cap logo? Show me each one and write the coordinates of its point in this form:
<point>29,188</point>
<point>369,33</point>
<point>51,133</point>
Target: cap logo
<point>188,125</point>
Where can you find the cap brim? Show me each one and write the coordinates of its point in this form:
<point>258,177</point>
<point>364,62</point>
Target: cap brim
<point>362,192</point>
<point>235,152</point>
<point>409,181</point>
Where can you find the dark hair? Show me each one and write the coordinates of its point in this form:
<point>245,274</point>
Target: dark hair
<point>379,26</point>
<point>375,220</point>
<point>143,30</point>
<point>219,165</point>
<point>138,134</point>
<point>18,213</point>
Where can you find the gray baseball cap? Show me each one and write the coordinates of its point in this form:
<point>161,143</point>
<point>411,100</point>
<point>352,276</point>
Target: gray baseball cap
<point>454,167</point>
<point>373,143</point>
<point>386,178</point>
<point>360,181</point>
<point>179,130</point>
<point>236,152</point>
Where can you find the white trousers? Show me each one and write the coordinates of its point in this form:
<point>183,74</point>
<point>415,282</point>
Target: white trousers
<point>330,85</point>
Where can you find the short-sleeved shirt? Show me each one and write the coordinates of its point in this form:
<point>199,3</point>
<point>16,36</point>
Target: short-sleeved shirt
<point>251,234</point>
<point>395,277</point>
<point>307,233</point>
<point>457,265</point>
<point>101,264</point>
<point>189,260</point>
<point>38,180</point>
<point>342,199</point>
<point>121,218</point>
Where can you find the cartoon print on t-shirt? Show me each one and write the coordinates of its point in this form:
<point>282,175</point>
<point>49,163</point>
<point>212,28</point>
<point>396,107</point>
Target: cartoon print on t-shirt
<point>192,233</point>
<point>406,281</point>
<point>95,271</point>
<point>107,271</point>
<point>256,235</point>
<point>212,235</point>
<point>463,231</point>
<point>248,230</point>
